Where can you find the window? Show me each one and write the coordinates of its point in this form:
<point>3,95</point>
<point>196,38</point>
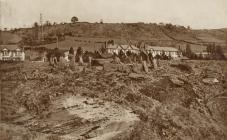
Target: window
<point>5,52</point>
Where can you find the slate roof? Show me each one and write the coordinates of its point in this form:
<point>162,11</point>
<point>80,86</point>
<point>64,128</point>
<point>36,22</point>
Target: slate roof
<point>124,47</point>
<point>9,47</point>
<point>115,46</point>
<point>158,48</point>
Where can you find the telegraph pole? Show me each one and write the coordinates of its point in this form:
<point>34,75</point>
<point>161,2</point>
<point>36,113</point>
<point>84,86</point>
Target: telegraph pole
<point>41,24</point>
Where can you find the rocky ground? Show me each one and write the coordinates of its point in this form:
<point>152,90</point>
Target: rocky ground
<point>179,100</point>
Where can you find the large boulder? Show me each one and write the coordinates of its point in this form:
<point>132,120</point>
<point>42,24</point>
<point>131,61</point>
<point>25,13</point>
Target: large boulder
<point>210,81</point>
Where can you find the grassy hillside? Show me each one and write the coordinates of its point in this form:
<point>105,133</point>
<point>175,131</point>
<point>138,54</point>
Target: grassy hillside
<point>9,38</point>
<point>156,34</point>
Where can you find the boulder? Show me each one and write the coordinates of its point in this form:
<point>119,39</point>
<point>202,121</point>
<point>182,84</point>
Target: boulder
<point>99,68</point>
<point>210,81</point>
<point>124,68</point>
<point>137,68</point>
<point>176,81</point>
<point>110,67</point>
<point>136,76</point>
<point>117,60</point>
<point>100,62</point>
<point>145,67</point>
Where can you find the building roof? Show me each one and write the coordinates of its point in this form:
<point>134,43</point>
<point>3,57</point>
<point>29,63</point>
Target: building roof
<point>158,48</point>
<point>115,46</point>
<point>9,47</point>
<point>125,47</point>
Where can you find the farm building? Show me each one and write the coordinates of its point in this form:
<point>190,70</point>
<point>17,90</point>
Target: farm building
<point>168,51</point>
<point>11,53</point>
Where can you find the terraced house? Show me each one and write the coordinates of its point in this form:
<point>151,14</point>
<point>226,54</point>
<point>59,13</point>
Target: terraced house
<point>116,48</point>
<point>168,51</point>
<point>11,53</point>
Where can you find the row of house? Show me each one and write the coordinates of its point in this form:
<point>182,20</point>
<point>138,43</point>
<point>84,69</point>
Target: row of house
<point>116,48</point>
<point>15,53</point>
<point>11,53</point>
<point>154,50</point>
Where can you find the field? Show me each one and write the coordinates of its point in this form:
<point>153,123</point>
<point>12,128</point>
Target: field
<point>179,100</point>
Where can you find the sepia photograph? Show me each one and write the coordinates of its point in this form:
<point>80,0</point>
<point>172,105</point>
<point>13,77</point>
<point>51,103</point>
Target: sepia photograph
<point>113,69</point>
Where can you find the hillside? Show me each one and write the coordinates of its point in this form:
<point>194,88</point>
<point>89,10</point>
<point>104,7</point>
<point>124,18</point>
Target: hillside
<point>156,34</point>
<point>9,38</point>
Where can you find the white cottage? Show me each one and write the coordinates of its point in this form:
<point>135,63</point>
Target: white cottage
<point>113,48</point>
<point>125,48</point>
<point>169,51</point>
<point>11,53</point>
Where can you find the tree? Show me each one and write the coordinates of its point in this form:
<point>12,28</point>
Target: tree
<point>79,51</point>
<point>74,19</point>
<point>79,55</point>
<point>188,52</point>
<point>101,21</point>
<point>188,27</point>
<point>71,51</point>
<point>36,32</point>
<point>219,53</point>
<point>209,49</point>
<point>54,53</point>
<point>36,24</point>
<point>103,50</point>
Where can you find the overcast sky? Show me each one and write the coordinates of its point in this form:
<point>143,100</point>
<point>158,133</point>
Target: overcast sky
<point>198,14</point>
